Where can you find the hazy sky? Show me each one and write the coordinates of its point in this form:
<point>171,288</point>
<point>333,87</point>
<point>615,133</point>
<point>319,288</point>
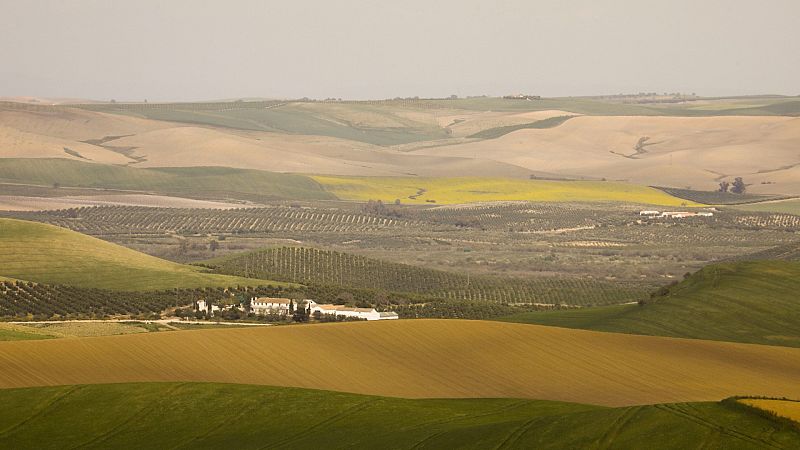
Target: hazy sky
<point>190,50</point>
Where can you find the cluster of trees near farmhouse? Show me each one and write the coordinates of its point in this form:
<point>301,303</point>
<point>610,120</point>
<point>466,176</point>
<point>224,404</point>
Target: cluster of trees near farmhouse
<point>33,301</point>
<point>737,187</point>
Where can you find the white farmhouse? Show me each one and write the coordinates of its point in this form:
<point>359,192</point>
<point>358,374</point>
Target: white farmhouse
<point>360,313</point>
<point>268,305</point>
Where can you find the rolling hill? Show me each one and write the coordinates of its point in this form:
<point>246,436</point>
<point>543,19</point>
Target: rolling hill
<point>48,254</point>
<point>196,182</point>
<point>692,144</point>
<point>747,301</point>
<point>420,359</point>
<point>202,415</point>
<point>311,266</point>
<point>681,152</point>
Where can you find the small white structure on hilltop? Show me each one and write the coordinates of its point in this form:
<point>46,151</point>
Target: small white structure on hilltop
<point>268,305</point>
<point>359,313</point>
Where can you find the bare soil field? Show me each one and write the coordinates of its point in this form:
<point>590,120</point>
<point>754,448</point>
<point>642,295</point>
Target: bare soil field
<point>420,359</point>
<point>678,151</point>
<point>26,203</point>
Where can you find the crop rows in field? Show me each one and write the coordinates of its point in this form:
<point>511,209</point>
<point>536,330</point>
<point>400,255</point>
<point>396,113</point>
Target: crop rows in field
<point>766,220</point>
<point>23,299</point>
<point>323,267</point>
<point>529,216</point>
<point>131,219</point>
<point>520,217</point>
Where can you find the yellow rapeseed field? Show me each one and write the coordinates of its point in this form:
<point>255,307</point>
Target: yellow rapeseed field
<point>475,189</point>
<point>784,408</point>
<point>419,359</point>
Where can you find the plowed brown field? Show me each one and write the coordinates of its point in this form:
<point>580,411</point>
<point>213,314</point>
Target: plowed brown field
<point>420,358</point>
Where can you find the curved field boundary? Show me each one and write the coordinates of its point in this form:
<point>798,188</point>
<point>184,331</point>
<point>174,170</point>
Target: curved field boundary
<point>198,415</point>
<point>420,359</point>
<point>493,133</point>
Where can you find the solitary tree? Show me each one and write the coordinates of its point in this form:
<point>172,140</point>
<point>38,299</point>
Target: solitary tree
<point>724,186</point>
<point>213,245</point>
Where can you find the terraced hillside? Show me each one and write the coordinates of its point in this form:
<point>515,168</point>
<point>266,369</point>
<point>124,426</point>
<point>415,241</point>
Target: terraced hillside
<point>323,267</point>
<point>48,254</point>
<point>747,301</point>
<point>420,359</point>
<point>160,415</point>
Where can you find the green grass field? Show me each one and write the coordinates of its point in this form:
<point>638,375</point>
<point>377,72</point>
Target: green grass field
<point>14,333</point>
<point>183,415</point>
<point>193,182</point>
<point>476,189</point>
<point>752,301</point>
<point>791,206</point>
<point>334,120</point>
<point>48,254</point>
<point>494,133</point>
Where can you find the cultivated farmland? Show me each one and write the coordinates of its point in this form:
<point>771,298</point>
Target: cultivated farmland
<point>320,267</point>
<point>166,414</point>
<point>420,358</point>
<point>750,301</point>
<point>476,189</point>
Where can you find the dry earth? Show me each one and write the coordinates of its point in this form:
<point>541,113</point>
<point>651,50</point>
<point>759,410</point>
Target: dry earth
<point>680,151</point>
<point>24,203</point>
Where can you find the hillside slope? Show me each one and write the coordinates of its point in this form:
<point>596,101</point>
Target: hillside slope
<point>420,359</point>
<point>193,182</point>
<point>748,301</point>
<point>166,415</point>
<point>664,151</point>
<point>48,254</point>
<point>313,266</point>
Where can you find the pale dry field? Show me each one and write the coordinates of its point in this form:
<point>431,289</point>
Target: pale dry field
<point>681,151</point>
<point>23,203</point>
<point>27,134</point>
<point>420,358</point>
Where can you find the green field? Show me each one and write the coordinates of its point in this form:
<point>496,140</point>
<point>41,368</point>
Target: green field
<point>477,189</point>
<point>334,120</point>
<point>172,415</point>
<point>494,133</point>
<point>751,301</point>
<point>14,333</point>
<point>192,182</point>
<point>48,254</point>
<point>791,206</point>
